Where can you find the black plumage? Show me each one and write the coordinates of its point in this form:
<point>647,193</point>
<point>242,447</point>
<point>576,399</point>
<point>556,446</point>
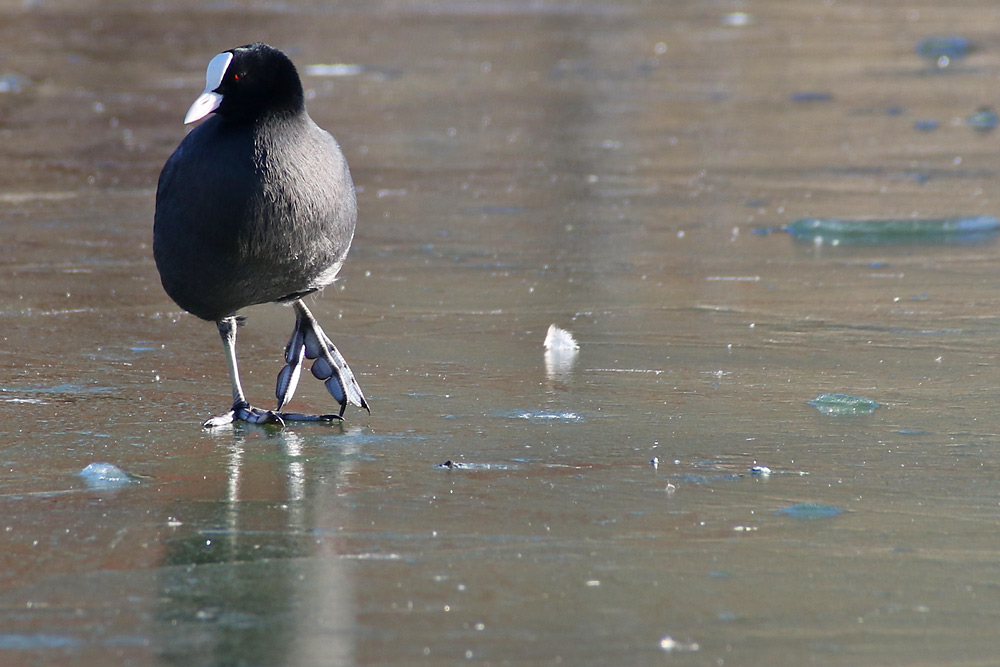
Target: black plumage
<point>257,205</point>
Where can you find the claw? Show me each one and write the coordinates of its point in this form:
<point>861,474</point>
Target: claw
<point>253,415</point>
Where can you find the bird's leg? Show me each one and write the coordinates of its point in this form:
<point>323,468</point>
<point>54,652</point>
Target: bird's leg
<point>241,410</point>
<point>310,341</point>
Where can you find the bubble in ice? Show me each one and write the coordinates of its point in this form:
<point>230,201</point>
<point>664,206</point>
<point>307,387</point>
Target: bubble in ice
<point>669,644</point>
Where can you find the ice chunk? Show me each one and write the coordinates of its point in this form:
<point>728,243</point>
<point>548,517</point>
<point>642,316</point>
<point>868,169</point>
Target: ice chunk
<point>106,475</point>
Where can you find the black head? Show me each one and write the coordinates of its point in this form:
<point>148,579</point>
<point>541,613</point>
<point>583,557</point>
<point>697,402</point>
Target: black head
<point>258,81</point>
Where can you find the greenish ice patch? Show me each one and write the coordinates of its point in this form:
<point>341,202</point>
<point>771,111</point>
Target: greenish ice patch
<point>809,511</point>
<point>843,404</point>
<point>944,49</point>
<point>835,231</point>
<point>541,416</point>
<point>983,120</point>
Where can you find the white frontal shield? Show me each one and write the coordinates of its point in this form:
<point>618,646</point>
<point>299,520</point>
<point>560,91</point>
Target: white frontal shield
<point>210,100</point>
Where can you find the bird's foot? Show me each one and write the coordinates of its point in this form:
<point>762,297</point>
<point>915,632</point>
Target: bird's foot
<point>309,341</point>
<point>299,417</point>
<point>244,412</point>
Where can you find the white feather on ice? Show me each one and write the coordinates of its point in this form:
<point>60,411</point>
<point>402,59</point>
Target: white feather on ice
<point>560,340</point>
<point>561,350</point>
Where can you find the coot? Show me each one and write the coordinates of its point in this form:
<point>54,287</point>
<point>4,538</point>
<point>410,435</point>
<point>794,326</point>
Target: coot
<point>255,206</point>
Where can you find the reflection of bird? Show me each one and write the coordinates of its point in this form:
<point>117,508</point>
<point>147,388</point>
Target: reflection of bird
<point>257,205</point>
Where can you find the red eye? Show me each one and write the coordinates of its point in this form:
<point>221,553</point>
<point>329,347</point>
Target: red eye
<point>236,77</point>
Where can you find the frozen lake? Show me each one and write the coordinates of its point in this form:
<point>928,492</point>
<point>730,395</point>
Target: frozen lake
<point>607,167</point>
